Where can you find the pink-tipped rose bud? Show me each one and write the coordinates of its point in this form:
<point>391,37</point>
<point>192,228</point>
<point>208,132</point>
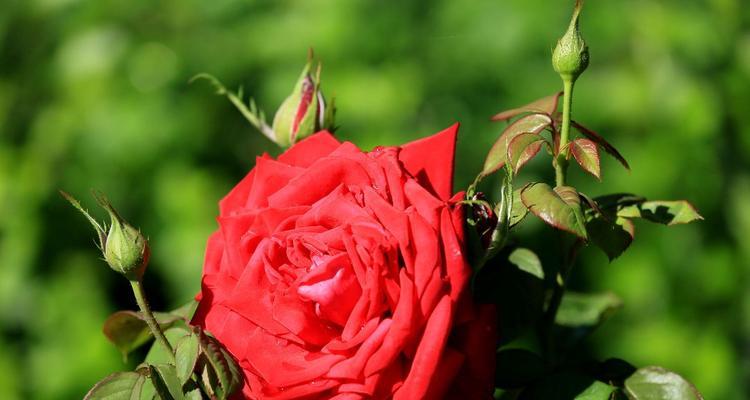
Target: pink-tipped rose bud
<point>304,112</point>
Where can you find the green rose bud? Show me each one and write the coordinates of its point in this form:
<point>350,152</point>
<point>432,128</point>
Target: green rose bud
<point>571,55</point>
<point>124,248</point>
<point>304,112</point>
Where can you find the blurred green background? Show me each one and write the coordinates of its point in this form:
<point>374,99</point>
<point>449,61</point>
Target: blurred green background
<point>94,94</point>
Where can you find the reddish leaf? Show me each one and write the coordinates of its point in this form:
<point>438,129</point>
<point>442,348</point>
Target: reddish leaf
<point>497,155</point>
<point>586,153</point>
<point>559,207</point>
<point>523,148</point>
<point>546,105</point>
<point>601,142</point>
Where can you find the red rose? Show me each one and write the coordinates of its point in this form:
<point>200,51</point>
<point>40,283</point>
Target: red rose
<point>341,274</point>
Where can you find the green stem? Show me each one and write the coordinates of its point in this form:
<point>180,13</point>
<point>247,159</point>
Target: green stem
<point>561,164</point>
<point>140,298</point>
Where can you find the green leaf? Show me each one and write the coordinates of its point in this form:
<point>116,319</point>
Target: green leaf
<point>546,105</point>
<point>596,138</point>
<point>194,394</point>
<point>149,391</point>
<point>526,260</point>
<point>186,311</point>
<point>586,309</point>
<point>597,391</point>
<point>128,330</point>
<point>522,148</point>
<point>519,210</point>
<point>663,212</point>
<point>118,386</point>
<point>618,200</point>
<point>612,237</point>
<point>186,355</point>
<point>498,154</point>
<point>567,385</point>
<point>586,154</point>
<point>559,208</point>
<point>221,365</point>
<point>517,368</point>
<point>659,384</point>
<point>164,378</point>
<point>157,354</point>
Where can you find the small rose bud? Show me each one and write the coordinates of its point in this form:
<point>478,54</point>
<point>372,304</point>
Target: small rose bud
<point>571,55</point>
<point>124,248</point>
<point>304,112</point>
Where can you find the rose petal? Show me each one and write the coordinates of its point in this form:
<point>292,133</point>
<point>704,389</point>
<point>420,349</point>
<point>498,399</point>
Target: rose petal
<point>327,174</point>
<point>307,151</point>
<point>430,160</point>
<point>401,329</point>
<point>270,177</point>
<point>428,354</point>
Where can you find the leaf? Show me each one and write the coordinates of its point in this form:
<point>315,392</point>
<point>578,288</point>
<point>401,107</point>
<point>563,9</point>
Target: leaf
<point>663,212</point>
<point>597,391</point>
<point>601,142</point>
<point>222,366</point>
<point>118,386</point>
<point>567,385</point>
<point>517,368</point>
<point>523,148</point>
<point>526,260</point>
<point>658,383</point>
<point>186,311</point>
<point>586,154</point>
<point>186,355</point>
<point>194,394</point>
<point>164,378</point>
<point>586,309</point>
<point>157,354</point>
<point>618,200</point>
<point>613,237</point>
<point>546,105</point>
<point>498,153</point>
<point>559,208</point>
<point>128,330</point>
<point>519,210</point>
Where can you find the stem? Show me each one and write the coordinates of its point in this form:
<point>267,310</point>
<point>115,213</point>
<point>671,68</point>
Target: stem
<point>140,298</point>
<point>561,166</point>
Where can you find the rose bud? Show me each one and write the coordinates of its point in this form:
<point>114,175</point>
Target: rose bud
<point>124,248</point>
<point>304,112</point>
<point>571,55</point>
